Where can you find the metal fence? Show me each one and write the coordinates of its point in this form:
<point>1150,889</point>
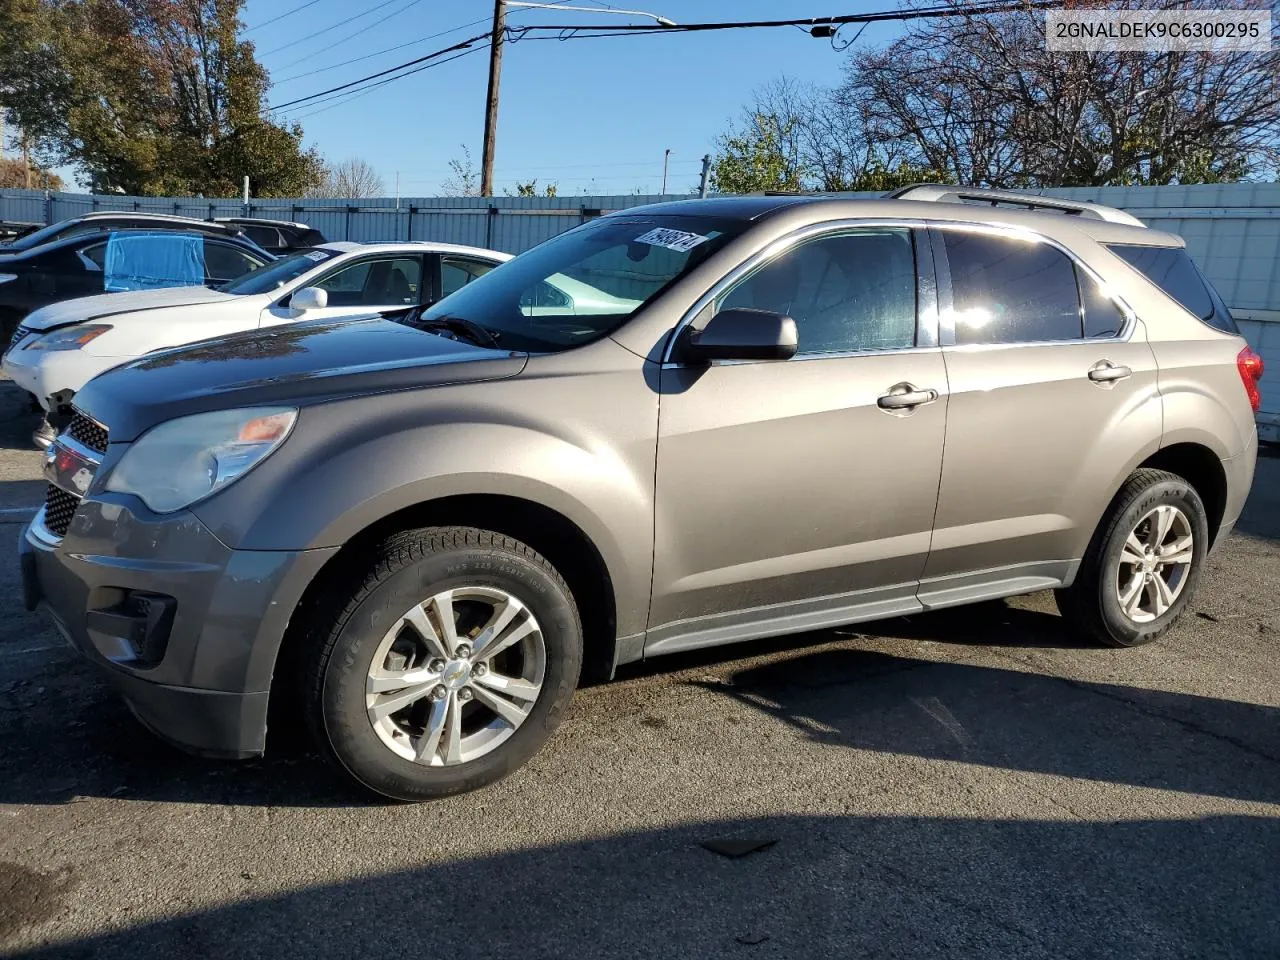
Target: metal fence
<point>512,224</point>
<point>1232,230</point>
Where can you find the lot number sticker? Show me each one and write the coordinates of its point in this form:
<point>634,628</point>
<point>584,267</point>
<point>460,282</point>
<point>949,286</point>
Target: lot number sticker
<point>671,239</point>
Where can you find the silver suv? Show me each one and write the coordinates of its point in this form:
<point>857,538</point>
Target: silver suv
<point>672,427</point>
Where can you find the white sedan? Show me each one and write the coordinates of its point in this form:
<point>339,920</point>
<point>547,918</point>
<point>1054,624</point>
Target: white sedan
<point>59,348</point>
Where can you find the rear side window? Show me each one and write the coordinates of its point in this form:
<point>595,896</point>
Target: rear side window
<point>1008,290</point>
<point>224,262</point>
<point>1102,318</point>
<point>1170,269</point>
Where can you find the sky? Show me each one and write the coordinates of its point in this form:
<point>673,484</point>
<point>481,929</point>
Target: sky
<point>591,116</point>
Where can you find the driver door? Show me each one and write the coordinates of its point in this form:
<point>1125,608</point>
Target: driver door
<point>390,285</point>
<point>795,494</point>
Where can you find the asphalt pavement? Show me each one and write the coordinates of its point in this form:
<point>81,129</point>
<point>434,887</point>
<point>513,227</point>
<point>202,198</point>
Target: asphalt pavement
<point>972,783</point>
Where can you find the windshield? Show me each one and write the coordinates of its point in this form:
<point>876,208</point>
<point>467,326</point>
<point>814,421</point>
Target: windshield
<point>277,273</point>
<point>586,283</point>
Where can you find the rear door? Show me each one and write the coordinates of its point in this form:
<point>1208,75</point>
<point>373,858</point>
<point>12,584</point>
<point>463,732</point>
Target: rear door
<point>224,262</point>
<point>1053,391</point>
<point>456,271</point>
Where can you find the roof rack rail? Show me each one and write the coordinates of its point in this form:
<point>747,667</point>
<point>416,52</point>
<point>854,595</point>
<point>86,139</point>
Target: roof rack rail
<point>949,193</point>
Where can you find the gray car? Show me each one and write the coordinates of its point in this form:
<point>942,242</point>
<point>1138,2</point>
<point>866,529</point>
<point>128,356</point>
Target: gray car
<point>789,413</point>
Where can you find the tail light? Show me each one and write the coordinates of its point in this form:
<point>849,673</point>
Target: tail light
<point>1250,367</point>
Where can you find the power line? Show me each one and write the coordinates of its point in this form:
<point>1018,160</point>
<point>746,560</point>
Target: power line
<point>598,30</point>
<point>332,26</point>
<point>942,10</point>
<point>356,94</point>
<point>346,38</point>
<point>287,13</point>
<point>463,44</point>
<point>377,53</point>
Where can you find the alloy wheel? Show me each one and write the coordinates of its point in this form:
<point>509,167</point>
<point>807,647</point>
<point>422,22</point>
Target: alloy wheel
<point>1155,563</point>
<point>456,676</point>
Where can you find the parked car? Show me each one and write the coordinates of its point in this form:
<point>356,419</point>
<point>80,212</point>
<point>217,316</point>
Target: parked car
<point>106,221</point>
<point>114,262</point>
<point>418,539</point>
<point>58,349</point>
<point>278,236</point>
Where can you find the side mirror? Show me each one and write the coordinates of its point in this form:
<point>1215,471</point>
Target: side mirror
<point>741,333</point>
<point>308,298</point>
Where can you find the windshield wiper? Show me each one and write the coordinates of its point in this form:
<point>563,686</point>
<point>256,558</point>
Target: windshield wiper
<point>466,328</point>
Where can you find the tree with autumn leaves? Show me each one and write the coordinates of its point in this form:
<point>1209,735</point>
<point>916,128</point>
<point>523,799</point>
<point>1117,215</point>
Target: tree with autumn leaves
<point>147,97</point>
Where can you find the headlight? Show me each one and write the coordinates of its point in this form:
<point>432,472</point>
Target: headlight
<point>6,277</point>
<point>179,462</point>
<point>69,338</point>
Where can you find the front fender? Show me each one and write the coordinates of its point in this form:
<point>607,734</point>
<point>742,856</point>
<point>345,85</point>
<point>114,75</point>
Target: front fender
<point>349,464</point>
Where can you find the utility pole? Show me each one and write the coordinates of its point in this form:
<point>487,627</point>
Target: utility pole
<point>706,173</point>
<point>26,157</point>
<point>491,105</point>
<point>666,157</point>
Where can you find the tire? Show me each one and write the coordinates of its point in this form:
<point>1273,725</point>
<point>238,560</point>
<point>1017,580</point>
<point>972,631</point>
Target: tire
<point>1095,602</point>
<point>416,582</point>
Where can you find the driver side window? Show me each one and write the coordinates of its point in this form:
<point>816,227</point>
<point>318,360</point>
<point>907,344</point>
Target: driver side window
<point>849,292</point>
<point>374,283</point>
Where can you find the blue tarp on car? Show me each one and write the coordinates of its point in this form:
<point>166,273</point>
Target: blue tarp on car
<point>152,261</point>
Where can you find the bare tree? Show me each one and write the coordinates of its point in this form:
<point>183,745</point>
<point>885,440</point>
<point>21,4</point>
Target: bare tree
<point>981,98</point>
<point>463,180</point>
<point>801,136</point>
<point>353,177</point>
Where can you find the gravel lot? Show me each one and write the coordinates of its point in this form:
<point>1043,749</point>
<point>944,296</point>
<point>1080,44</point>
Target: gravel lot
<point>971,783</point>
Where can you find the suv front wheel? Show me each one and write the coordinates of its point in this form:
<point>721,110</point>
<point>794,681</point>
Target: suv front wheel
<point>449,666</point>
<point>1143,564</point>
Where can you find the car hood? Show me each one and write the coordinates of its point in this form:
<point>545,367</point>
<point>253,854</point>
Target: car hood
<point>103,305</point>
<point>300,364</point>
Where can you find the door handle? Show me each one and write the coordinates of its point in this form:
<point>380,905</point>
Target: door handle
<point>1104,371</point>
<point>905,396</point>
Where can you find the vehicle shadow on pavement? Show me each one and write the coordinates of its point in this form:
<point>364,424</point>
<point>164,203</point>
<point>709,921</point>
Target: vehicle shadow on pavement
<point>829,886</point>
<point>67,737</point>
<point>1015,719</point>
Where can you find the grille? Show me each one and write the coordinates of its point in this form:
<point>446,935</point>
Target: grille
<point>59,507</point>
<point>18,334</point>
<point>88,432</point>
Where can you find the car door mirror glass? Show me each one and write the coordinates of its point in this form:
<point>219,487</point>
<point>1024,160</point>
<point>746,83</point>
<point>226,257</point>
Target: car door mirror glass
<point>741,333</point>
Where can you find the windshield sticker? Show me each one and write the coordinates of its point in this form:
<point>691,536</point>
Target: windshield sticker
<point>671,239</point>
<point>317,255</point>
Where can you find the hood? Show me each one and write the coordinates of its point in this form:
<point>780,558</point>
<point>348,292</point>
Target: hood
<point>83,309</point>
<point>299,364</point>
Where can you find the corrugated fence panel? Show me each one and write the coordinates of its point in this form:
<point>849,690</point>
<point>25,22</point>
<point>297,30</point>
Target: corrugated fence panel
<point>1232,230</point>
<point>456,225</point>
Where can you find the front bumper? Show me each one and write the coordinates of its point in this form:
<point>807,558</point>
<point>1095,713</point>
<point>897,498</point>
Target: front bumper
<point>46,374</point>
<point>186,628</point>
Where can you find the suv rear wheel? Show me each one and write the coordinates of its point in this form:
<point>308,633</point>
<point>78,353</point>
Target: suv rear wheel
<point>1143,564</point>
<point>449,666</point>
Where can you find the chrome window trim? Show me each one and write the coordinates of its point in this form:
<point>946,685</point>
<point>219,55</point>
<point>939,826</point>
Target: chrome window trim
<point>924,297</point>
<point>946,329</point>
